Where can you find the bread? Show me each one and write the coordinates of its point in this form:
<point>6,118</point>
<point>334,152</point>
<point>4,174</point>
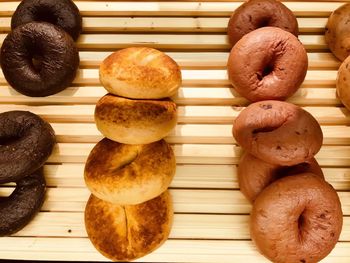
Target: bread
<point>135,121</point>
<point>129,174</point>
<point>338,32</point>
<point>278,132</point>
<point>296,219</point>
<point>140,73</point>
<point>124,233</point>
<point>343,83</point>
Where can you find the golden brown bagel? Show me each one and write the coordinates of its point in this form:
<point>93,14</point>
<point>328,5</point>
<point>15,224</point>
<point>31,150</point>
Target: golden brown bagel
<point>338,32</point>
<point>140,73</point>
<point>343,83</point>
<point>124,233</point>
<point>129,174</point>
<point>135,121</point>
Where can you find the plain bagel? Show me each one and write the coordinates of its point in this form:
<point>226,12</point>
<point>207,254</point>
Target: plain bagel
<point>129,174</point>
<point>135,121</point>
<point>278,132</point>
<point>140,73</point>
<point>124,233</point>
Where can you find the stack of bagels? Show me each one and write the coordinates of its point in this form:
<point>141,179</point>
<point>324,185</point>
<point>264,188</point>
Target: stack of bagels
<point>130,211</point>
<point>39,57</point>
<point>296,215</point>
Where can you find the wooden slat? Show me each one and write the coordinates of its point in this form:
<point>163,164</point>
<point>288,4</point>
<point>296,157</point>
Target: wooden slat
<point>186,114</point>
<point>103,8</point>
<point>185,226</point>
<point>169,24</point>
<point>186,133</point>
<point>224,95</point>
<point>187,176</point>
<point>174,41</point>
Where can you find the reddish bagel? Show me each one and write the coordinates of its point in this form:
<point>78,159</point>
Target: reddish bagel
<point>278,132</point>
<point>267,64</point>
<point>255,175</point>
<point>296,219</point>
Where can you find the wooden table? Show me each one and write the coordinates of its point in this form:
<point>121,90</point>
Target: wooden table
<point>211,215</point>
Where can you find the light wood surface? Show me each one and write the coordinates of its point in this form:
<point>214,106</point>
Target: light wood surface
<point>211,215</point>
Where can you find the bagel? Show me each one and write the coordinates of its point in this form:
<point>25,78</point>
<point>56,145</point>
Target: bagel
<point>124,233</point>
<point>140,73</point>
<point>135,121</point>
<point>278,132</point>
<point>296,219</point>
<point>129,174</point>
<point>267,64</point>
<point>255,175</point>
<point>254,14</point>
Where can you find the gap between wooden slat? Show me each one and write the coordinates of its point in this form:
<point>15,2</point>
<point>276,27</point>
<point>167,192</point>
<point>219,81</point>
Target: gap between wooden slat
<point>174,41</point>
<point>186,114</point>
<point>215,96</point>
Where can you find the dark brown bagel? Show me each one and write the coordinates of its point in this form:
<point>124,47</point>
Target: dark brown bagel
<point>267,63</point>
<point>26,142</point>
<point>39,59</point>
<point>278,132</point>
<point>21,206</point>
<point>254,175</point>
<point>62,13</point>
<point>254,14</point>
<point>296,219</point>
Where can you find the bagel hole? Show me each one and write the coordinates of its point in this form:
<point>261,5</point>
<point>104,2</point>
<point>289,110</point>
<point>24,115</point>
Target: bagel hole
<point>266,71</point>
<point>44,15</point>
<point>37,62</point>
<point>301,223</point>
<point>264,129</point>
<point>264,22</point>
<point>7,140</point>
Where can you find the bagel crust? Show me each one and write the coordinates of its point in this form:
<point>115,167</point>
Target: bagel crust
<point>129,174</point>
<point>140,73</point>
<point>135,121</point>
<point>297,219</point>
<point>125,233</point>
<point>278,132</point>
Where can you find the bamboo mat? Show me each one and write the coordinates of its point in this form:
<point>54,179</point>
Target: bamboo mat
<point>211,215</point>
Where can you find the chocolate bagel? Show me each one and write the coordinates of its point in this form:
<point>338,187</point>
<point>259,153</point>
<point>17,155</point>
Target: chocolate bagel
<point>255,175</point>
<point>296,219</point>
<point>62,13</point>
<point>267,64</point>
<point>254,14</point>
<point>21,206</point>
<point>278,132</point>
<point>39,59</point>
<point>129,174</point>
<point>26,142</point>
<point>125,233</point>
